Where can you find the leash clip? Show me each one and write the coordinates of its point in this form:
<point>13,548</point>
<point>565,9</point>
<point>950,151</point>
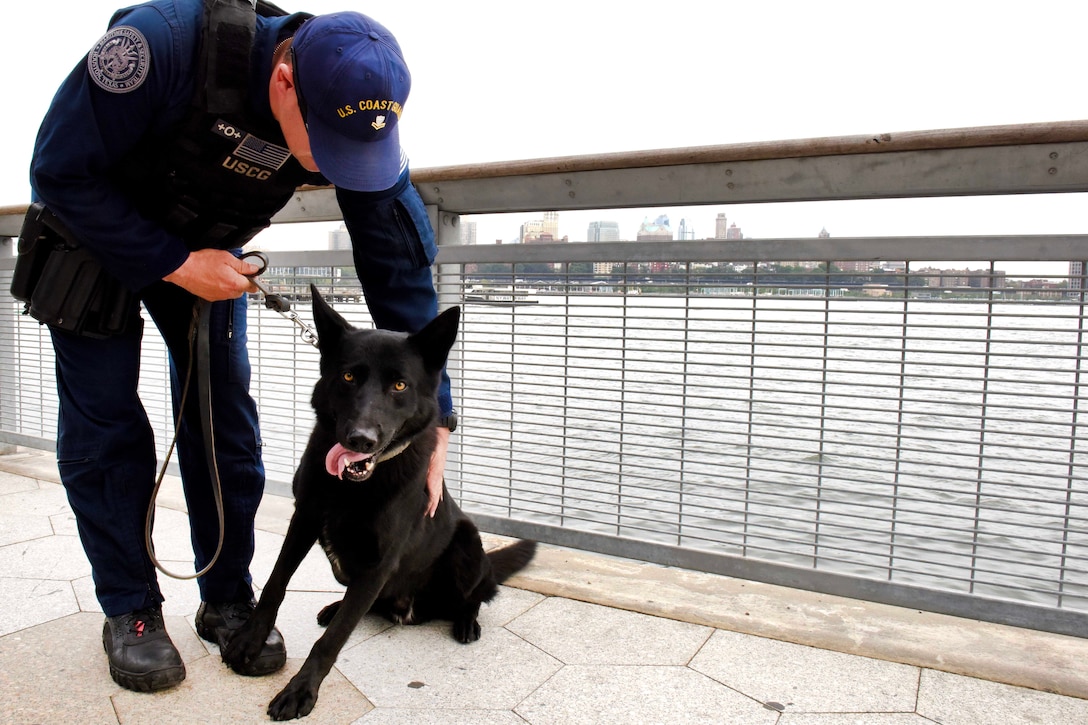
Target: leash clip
<point>278,303</point>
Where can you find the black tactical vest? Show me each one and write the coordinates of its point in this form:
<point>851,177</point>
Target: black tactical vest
<point>222,174</point>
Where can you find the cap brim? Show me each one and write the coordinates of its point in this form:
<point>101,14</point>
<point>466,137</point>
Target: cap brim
<point>356,165</point>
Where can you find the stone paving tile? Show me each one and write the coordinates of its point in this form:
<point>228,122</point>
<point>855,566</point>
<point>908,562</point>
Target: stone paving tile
<point>54,557</point>
<point>45,500</point>
<point>622,695</point>
<point>578,633</point>
<point>64,524</point>
<point>32,464</point>
<point>12,483</point>
<point>509,605</point>
<point>211,693</point>
<point>297,621</point>
<point>57,674</point>
<point>806,679</point>
<point>30,602</point>
<point>424,667</point>
<point>957,700</point>
<point>18,527</point>
<point>854,718</point>
<point>404,716</point>
<point>313,575</point>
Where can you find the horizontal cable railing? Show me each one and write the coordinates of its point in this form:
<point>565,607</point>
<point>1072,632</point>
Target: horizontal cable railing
<point>861,430</point>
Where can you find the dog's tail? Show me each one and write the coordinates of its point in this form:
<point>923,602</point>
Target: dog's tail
<point>509,560</point>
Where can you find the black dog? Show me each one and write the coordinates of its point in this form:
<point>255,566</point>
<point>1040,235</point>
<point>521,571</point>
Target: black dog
<point>360,490</point>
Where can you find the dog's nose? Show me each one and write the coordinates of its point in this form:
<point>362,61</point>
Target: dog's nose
<point>363,440</point>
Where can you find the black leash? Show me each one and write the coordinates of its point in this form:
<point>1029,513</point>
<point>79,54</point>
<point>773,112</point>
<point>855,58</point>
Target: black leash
<point>200,339</point>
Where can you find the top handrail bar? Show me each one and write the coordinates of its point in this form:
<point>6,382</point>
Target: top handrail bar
<point>953,138</point>
<point>821,147</point>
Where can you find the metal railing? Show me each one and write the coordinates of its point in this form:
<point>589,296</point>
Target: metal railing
<point>760,408</point>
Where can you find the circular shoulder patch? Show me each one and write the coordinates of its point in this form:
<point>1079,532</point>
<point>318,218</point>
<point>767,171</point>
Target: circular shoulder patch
<point>118,62</point>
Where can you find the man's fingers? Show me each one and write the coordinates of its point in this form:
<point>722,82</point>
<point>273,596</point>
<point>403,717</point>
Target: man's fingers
<point>245,267</point>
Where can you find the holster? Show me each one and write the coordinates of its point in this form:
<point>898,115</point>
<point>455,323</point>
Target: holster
<point>63,285</point>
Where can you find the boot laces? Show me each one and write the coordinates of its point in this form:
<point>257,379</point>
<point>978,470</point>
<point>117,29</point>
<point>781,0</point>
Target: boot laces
<point>143,621</point>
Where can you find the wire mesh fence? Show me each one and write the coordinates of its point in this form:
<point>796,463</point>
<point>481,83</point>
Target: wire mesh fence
<point>895,424</point>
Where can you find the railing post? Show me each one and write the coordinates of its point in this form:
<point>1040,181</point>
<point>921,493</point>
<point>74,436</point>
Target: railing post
<point>8,360</point>
<point>448,278</point>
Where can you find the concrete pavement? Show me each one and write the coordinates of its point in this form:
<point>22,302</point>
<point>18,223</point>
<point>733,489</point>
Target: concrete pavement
<point>577,638</point>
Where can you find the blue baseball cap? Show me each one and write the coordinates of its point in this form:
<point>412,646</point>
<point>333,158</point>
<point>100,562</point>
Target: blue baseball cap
<point>353,83</point>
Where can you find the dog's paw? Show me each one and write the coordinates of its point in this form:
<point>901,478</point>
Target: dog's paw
<point>295,700</point>
<point>466,631</point>
<point>244,647</point>
<point>325,615</point>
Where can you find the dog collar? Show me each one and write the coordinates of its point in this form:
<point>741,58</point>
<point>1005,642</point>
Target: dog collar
<point>386,455</point>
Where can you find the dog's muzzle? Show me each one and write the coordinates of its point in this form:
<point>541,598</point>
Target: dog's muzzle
<point>349,465</point>
<point>355,467</point>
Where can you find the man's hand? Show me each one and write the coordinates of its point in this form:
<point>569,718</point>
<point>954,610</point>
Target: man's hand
<point>436,470</point>
<point>213,275</point>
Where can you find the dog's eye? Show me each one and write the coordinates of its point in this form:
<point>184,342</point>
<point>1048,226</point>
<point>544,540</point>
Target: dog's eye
<point>400,386</point>
<point>348,376</point>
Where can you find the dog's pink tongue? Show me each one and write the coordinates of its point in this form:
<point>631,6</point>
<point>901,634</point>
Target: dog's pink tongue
<point>338,459</point>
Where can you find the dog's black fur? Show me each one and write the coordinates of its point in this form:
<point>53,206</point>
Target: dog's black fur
<point>376,393</point>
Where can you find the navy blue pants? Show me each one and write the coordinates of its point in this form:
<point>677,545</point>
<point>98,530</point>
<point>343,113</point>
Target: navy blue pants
<point>107,457</point>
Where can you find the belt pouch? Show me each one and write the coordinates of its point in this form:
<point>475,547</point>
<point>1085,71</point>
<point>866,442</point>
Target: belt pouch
<point>36,242</point>
<point>63,285</point>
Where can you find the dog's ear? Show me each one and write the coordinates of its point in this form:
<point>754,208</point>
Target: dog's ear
<point>435,340</point>
<point>330,325</point>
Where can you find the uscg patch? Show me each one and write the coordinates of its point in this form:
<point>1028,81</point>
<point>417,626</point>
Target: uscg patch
<point>118,62</point>
<point>252,148</point>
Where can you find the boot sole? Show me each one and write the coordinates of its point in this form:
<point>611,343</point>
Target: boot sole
<point>148,681</point>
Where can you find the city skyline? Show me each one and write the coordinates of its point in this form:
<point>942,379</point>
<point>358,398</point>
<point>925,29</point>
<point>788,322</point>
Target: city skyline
<point>608,231</point>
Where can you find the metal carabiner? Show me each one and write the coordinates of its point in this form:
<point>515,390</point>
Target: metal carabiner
<point>277,303</point>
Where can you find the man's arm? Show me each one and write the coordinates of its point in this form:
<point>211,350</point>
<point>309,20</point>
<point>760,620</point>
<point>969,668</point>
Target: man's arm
<point>93,123</point>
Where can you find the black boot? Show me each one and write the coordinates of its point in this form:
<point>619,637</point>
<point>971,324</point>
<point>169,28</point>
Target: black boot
<point>141,655</point>
<point>218,622</point>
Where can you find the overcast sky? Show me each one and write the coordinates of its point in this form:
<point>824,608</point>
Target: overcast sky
<point>498,81</point>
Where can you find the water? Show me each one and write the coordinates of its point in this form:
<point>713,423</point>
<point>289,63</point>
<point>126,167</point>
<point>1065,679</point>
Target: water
<point>935,444</point>
<point>929,443</point>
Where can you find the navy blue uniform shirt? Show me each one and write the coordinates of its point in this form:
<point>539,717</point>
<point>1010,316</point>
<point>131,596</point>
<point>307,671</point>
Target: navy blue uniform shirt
<point>89,129</point>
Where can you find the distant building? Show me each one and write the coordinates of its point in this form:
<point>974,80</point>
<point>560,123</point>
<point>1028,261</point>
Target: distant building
<point>540,231</point>
<point>721,228</point>
<point>733,232</point>
<point>339,238</point>
<point>656,231</point>
<point>603,232</point>
<point>551,224</point>
<point>1076,277</point>
<point>468,232</point>
<point>824,234</point>
<point>857,266</point>
<point>964,278</point>
<point>686,231</point>
<point>530,231</point>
